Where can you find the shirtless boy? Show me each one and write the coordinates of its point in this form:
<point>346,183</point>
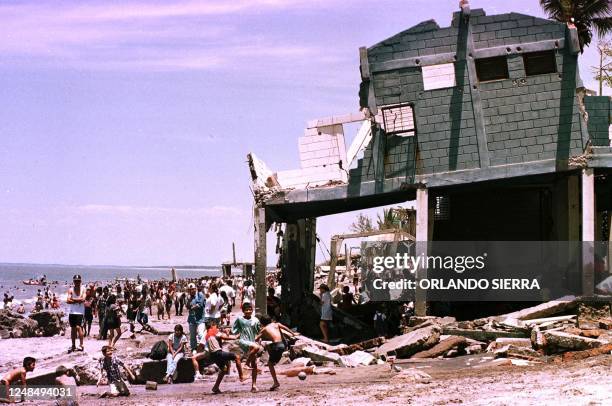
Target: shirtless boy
<point>14,376</point>
<point>273,332</point>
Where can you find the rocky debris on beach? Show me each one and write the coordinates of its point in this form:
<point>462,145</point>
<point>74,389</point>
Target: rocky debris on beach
<point>50,323</point>
<point>44,323</point>
<point>15,325</point>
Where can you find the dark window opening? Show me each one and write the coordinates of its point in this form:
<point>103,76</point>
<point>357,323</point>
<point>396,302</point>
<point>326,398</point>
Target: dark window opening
<point>492,68</point>
<point>399,120</point>
<point>539,63</point>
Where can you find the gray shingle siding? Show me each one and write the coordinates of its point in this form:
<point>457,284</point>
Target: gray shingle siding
<point>525,118</point>
<point>598,108</point>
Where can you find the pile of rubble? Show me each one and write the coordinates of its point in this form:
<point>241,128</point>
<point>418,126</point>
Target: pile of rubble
<point>562,329</point>
<point>559,330</point>
<point>40,324</point>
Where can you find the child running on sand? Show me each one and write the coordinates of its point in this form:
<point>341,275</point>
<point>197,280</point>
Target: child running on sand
<point>274,332</point>
<point>222,358</point>
<point>14,376</point>
<point>247,327</point>
<point>110,365</point>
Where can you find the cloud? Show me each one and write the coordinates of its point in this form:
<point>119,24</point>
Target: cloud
<point>152,36</point>
<point>126,210</point>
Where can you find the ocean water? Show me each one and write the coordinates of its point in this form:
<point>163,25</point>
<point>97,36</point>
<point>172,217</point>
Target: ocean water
<point>12,275</point>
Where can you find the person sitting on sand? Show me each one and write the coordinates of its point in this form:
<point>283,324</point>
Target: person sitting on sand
<point>76,310</point>
<point>222,358</point>
<point>177,342</point>
<point>247,327</point>
<point>110,365</point>
<point>274,332</point>
<point>14,376</point>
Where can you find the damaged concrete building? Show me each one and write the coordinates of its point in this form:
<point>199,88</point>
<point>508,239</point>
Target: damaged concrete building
<point>486,124</point>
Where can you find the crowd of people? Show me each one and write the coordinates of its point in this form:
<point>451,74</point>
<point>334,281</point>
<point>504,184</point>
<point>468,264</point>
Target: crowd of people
<point>206,303</point>
<point>203,309</point>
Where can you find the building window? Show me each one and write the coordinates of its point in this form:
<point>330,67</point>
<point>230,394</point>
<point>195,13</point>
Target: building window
<point>495,68</point>
<point>539,63</point>
<point>442,208</point>
<point>398,119</point>
<point>438,76</point>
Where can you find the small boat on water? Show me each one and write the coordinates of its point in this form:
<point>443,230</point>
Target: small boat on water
<point>33,282</point>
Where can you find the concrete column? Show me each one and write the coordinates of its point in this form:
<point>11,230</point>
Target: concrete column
<point>588,231</point>
<point>422,236</point>
<point>333,261</point>
<point>260,260</point>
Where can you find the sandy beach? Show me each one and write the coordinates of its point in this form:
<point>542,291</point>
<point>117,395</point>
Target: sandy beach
<point>453,380</point>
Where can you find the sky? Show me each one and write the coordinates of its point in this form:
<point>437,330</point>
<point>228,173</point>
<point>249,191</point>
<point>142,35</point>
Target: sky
<point>125,126</point>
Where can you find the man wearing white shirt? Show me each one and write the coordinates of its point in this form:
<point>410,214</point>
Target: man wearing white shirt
<point>248,292</point>
<point>213,304</point>
<point>230,292</point>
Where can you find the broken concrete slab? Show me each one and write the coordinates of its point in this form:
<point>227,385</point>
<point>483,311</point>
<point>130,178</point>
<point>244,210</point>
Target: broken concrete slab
<point>505,341</point>
<point>606,323</point>
<point>358,358</point>
<point>578,355</point>
<point>547,309</point>
<point>594,333</point>
<point>590,314</point>
<point>544,320</point>
<point>364,345</point>
<point>512,351</point>
<point>319,355</point>
<point>559,341</point>
<point>302,361</point>
<point>473,349</point>
<point>453,342</point>
<point>405,345</point>
<point>482,335</point>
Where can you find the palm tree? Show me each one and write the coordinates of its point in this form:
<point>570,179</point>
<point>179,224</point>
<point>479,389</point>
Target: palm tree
<point>388,220</point>
<point>586,15</point>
